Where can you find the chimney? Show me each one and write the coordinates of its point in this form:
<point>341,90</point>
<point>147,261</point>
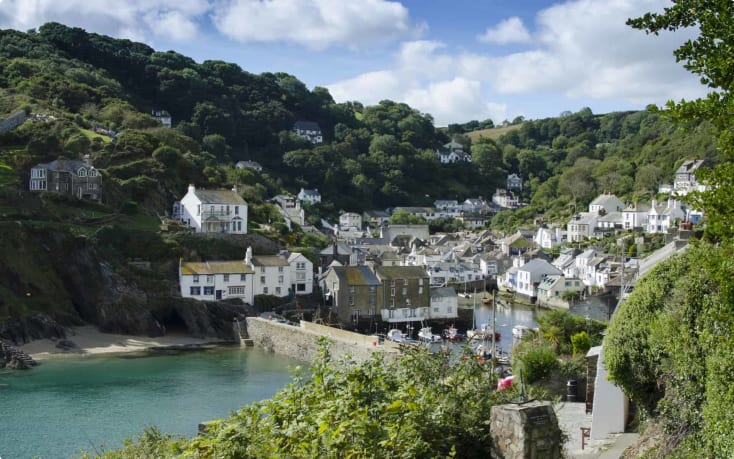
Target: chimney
<point>248,256</point>
<point>192,188</point>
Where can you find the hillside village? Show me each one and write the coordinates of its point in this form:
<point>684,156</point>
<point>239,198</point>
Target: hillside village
<point>374,270</point>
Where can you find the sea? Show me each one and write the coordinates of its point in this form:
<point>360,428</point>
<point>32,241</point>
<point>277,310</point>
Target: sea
<point>67,406</point>
<point>64,407</point>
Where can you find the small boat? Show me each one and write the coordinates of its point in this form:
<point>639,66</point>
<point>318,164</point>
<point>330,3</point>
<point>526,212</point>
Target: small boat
<point>397,336</point>
<point>484,332</point>
<point>484,352</point>
<point>426,335</point>
<point>519,331</point>
<point>453,335</point>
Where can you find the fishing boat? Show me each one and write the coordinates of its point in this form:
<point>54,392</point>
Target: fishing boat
<point>397,336</point>
<point>484,332</point>
<point>453,335</point>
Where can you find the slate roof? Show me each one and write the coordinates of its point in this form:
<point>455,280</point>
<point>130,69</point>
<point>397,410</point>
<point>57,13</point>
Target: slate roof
<point>307,126</point>
<point>401,272</point>
<point>443,292</point>
<point>269,260</point>
<point>219,197</point>
<point>64,165</point>
<point>215,267</point>
<point>356,275</point>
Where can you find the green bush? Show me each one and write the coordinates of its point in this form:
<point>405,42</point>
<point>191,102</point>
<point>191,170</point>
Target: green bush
<point>581,343</point>
<point>536,360</point>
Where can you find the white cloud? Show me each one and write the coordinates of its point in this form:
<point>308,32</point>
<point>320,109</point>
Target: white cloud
<point>581,51</point>
<point>134,19</point>
<point>316,24</point>
<point>510,30</point>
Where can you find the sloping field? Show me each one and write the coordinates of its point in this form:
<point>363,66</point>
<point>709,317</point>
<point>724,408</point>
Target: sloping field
<point>492,133</point>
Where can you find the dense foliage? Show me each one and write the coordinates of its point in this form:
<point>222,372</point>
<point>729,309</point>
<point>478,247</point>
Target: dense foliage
<point>373,157</point>
<point>670,345</point>
<point>421,405</point>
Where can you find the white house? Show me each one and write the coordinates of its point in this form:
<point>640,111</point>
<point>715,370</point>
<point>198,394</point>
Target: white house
<point>212,211</point>
<point>163,117</point>
<point>505,199</point>
<point>635,216</point>
<point>301,273</point>
<point>350,220</point>
<point>606,203</point>
<point>531,274</point>
<point>271,274</point>
<point>310,196</point>
<point>216,280</point>
<point>444,303</point>
<point>547,238</point>
<point>550,290</point>
<point>447,207</point>
<point>454,153</point>
<point>662,217</point>
<point>581,226</point>
<point>514,182</point>
<point>685,177</point>
<point>308,130</point>
<point>253,165</point>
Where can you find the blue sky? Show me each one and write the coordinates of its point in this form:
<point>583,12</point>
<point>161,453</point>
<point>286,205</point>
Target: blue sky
<point>455,59</point>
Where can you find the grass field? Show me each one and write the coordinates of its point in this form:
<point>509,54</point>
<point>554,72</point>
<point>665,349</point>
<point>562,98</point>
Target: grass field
<point>91,135</point>
<point>492,133</point>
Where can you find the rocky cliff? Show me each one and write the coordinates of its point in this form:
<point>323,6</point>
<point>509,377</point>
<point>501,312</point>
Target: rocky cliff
<point>53,277</point>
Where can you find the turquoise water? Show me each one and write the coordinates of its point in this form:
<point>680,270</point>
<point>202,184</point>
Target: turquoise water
<point>69,405</point>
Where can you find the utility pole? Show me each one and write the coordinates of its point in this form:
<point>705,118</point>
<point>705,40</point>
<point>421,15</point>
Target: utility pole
<point>494,328</point>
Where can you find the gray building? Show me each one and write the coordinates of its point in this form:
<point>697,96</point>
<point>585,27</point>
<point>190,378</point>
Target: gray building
<point>72,177</point>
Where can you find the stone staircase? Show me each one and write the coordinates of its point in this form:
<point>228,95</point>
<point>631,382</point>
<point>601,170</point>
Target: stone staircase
<point>13,358</point>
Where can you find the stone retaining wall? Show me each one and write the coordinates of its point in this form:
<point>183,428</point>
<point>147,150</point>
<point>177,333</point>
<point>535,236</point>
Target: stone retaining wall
<point>301,342</point>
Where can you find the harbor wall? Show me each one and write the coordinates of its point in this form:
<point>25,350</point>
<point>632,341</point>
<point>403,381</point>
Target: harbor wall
<point>301,342</point>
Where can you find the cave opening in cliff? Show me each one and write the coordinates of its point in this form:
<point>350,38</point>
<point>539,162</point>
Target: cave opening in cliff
<point>175,324</point>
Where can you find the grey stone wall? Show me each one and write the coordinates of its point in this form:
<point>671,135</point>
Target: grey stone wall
<point>525,431</point>
<point>301,342</point>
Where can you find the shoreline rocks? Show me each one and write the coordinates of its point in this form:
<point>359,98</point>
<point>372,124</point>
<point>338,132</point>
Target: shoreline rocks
<point>13,358</point>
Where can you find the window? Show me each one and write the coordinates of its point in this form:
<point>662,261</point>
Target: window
<point>300,265</point>
<point>392,283</point>
<point>280,279</point>
<point>390,314</point>
<point>196,278</point>
<point>239,226</point>
<point>373,297</point>
<point>262,279</point>
<point>300,287</point>
<point>371,311</point>
<point>352,290</point>
<point>82,172</point>
<point>92,172</point>
<point>300,276</point>
<point>198,209</point>
<point>277,290</point>
<point>392,291</point>
<point>91,186</point>
<point>265,290</point>
<point>436,309</point>
<point>420,290</point>
<point>355,315</point>
<point>238,290</point>
<point>280,269</point>
<point>262,269</point>
<point>242,277</point>
<point>209,279</point>
<point>405,291</point>
<point>450,309</point>
<point>226,278</point>
<point>420,281</point>
<point>194,291</point>
<point>236,210</point>
<point>405,281</point>
<point>208,290</point>
<point>392,303</point>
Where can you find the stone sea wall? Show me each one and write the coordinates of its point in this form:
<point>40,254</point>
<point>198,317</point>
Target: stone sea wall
<point>301,342</point>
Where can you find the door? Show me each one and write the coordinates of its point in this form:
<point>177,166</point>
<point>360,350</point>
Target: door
<point>219,294</point>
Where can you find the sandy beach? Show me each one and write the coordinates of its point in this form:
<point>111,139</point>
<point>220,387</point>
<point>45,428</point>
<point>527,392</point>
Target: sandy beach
<point>90,341</point>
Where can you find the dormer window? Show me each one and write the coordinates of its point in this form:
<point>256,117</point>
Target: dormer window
<point>92,172</point>
<point>82,172</point>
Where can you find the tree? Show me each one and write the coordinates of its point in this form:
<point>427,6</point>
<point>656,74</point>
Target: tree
<point>711,56</point>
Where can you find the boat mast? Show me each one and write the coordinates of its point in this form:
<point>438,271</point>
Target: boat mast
<point>494,329</point>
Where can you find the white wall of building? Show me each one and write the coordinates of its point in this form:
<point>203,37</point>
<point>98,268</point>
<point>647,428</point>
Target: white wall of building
<point>610,409</point>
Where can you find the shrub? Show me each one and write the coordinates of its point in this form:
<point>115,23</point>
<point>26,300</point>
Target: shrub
<point>581,343</point>
<point>536,360</point>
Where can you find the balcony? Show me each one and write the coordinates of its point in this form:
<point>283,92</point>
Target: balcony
<point>217,215</point>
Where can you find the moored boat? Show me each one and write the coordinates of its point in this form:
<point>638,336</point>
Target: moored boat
<point>425,334</point>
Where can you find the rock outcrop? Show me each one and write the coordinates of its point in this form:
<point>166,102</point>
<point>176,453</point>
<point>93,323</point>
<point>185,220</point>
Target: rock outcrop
<point>13,358</point>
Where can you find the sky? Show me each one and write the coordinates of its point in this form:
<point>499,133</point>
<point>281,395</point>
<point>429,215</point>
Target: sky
<point>458,60</point>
